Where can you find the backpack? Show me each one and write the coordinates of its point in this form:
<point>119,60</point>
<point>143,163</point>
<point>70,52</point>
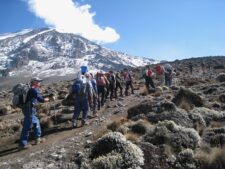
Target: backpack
<point>159,70</point>
<point>79,86</point>
<point>127,77</point>
<point>20,94</point>
<point>149,73</point>
<point>100,80</point>
<point>168,69</point>
<point>111,79</point>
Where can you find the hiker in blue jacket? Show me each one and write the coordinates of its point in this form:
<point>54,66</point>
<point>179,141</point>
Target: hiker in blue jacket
<point>83,97</point>
<point>30,118</point>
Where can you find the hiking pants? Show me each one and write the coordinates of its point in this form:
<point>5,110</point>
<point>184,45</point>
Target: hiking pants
<point>95,103</point>
<point>101,94</point>
<point>30,120</point>
<point>168,80</point>
<point>149,81</point>
<point>112,90</point>
<point>161,79</point>
<point>81,104</point>
<point>128,85</point>
<point>118,85</point>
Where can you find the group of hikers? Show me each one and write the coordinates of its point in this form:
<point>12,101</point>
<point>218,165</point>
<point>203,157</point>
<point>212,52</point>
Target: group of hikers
<point>163,73</point>
<point>89,92</point>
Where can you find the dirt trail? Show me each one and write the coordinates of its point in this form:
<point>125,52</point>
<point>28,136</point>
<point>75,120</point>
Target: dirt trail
<point>67,137</point>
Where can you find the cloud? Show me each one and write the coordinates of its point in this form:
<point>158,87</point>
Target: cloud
<point>68,16</point>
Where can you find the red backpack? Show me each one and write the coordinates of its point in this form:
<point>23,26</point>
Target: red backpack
<point>100,79</point>
<point>159,70</point>
<point>149,73</point>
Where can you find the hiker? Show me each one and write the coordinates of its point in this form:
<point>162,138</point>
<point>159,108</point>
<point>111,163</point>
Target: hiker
<point>148,78</point>
<point>118,85</point>
<point>101,85</point>
<point>168,74</point>
<point>95,95</point>
<point>203,67</point>
<point>29,111</point>
<point>160,74</point>
<point>190,66</point>
<point>129,81</point>
<point>107,89</point>
<point>83,97</point>
<point>112,84</point>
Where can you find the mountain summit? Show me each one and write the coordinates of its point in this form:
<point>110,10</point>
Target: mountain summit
<point>46,52</point>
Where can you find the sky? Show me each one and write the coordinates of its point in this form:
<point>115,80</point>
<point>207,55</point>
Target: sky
<point>158,29</point>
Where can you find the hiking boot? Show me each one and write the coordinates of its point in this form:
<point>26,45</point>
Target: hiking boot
<point>24,147</point>
<point>74,123</point>
<point>84,123</point>
<point>39,141</point>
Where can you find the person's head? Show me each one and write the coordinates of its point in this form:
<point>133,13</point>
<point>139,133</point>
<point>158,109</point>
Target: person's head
<point>36,82</point>
<point>87,75</point>
<point>110,72</point>
<point>147,66</point>
<point>125,70</point>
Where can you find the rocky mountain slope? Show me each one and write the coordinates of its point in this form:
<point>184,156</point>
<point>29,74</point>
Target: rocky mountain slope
<point>181,127</point>
<point>46,52</point>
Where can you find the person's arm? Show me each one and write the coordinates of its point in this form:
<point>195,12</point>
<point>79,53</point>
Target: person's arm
<point>39,97</point>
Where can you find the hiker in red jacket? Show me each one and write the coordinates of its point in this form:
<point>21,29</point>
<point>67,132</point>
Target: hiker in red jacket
<point>148,78</point>
<point>129,81</point>
<point>159,70</point>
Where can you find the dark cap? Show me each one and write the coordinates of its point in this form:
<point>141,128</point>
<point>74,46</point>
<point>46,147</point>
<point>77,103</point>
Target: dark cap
<point>36,79</point>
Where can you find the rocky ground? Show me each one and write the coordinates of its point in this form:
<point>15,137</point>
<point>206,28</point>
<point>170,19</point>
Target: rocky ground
<point>181,127</point>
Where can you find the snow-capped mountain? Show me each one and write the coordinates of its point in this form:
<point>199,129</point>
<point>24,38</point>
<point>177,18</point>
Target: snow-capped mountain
<point>47,52</point>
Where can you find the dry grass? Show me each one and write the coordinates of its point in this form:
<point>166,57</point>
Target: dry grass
<point>168,150</point>
<point>133,137</point>
<point>16,127</point>
<point>216,124</point>
<point>100,133</point>
<point>199,128</point>
<point>186,105</point>
<point>46,122</point>
<point>215,159</point>
<point>144,91</point>
<point>169,97</point>
<point>114,126</point>
<point>45,110</point>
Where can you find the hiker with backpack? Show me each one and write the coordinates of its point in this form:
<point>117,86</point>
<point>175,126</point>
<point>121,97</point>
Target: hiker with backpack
<point>83,97</point>
<point>95,95</point>
<point>29,111</point>
<point>159,70</point>
<point>107,89</point>
<point>118,85</point>
<point>112,84</point>
<point>101,84</point>
<point>149,78</point>
<point>168,74</point>
<point>128,81</point>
